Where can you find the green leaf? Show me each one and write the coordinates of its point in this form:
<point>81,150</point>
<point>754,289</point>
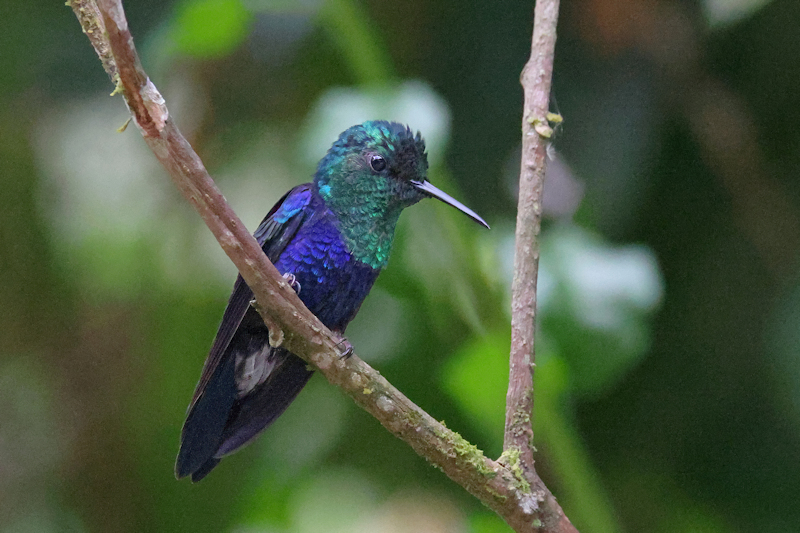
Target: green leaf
<point>477,378</point>
<point>487,523</point>
<point>210,28</point>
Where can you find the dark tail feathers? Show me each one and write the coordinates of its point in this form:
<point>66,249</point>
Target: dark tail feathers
<point>219,424</point>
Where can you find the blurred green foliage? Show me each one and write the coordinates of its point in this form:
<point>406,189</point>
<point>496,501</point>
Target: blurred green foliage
<point>667,371</point>
<point>211,28</point>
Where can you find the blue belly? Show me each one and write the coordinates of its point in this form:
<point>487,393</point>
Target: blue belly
<point>332,283</point>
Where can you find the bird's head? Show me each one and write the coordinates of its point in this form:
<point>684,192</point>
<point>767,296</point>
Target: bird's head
<point>376,169</point>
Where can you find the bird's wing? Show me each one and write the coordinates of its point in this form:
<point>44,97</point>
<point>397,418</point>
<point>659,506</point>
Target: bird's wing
<point>273,234</point>
<point>216,392</point>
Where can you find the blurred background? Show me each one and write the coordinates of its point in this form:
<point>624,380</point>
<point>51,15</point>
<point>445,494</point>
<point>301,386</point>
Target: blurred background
<point>668,377</point>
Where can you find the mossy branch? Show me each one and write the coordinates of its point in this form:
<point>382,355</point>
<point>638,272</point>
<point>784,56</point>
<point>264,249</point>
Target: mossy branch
<point>525,507</point>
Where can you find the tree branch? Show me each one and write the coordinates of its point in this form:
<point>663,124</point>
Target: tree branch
<point>535,80</point>
<point>526,506</point>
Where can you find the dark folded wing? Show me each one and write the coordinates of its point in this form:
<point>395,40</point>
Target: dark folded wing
<point>273,234</point>
<point>216,391</point>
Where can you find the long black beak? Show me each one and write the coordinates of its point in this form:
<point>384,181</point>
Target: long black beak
<point>433,192</point>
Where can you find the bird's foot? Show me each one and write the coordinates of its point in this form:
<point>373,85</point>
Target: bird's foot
<point>344,348</point>
<point>292,281</point>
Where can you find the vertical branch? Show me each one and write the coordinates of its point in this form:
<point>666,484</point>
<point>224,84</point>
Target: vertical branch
<point>535,81</point>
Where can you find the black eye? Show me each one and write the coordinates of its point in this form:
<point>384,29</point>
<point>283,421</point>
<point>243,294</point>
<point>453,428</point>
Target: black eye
<point>377,163</point>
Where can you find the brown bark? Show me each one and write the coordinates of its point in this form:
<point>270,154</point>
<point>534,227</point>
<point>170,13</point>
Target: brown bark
<point>535,81</point>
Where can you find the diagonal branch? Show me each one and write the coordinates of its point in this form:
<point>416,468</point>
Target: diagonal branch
<point>526,506</point>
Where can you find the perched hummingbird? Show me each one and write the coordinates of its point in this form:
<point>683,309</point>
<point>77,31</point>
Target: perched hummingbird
<point>330,239</point>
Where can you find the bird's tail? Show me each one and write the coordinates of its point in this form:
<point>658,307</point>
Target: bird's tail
<point>255,412</point>
<point>204,442</point>
<point>206,423</point>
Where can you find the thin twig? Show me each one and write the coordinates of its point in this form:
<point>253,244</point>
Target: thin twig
<point>535,80</point>
<point>525,506</point>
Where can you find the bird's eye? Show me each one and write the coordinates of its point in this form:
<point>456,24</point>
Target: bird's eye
<point>377,163</point>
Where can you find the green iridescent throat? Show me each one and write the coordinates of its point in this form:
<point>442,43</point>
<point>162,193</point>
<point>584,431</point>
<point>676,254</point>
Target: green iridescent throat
<point>367,216</point>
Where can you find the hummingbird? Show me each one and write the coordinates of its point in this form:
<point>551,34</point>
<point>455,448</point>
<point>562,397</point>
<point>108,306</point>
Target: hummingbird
<point>330,239</point>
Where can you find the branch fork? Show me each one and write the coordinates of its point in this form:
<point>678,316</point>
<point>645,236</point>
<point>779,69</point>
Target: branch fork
<point>510,485</point>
